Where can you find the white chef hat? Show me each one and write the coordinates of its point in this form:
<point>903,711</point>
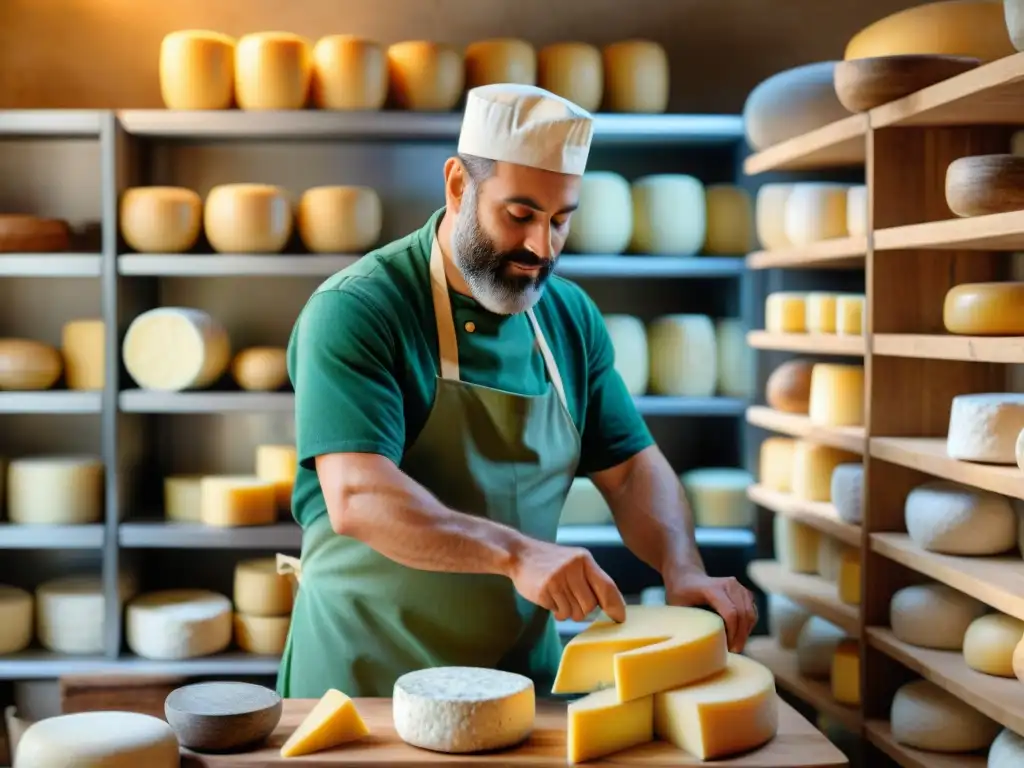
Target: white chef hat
<point>526,125</point>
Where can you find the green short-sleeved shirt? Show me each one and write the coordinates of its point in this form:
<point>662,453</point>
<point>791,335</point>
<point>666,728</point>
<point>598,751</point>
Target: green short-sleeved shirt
<point>363,359</point>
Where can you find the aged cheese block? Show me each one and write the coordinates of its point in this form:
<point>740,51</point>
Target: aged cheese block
<point>730,220</point>
<point>683,357</point>
<point>603,223</point>
<point>785,620</point>
<point>816,211</point>
<point>70,614</point>
<point>791,103</point>
<point>348,73</point>
<point>785,312</point>
<point>956,519</point>
<point>599,724</point>
<point>178,624</point>
<point>574,71</point>
<point>500,60</point>
<point>160,219</point>
<point>788,388</point>
<point>182,498</point>
<point>99,740</point>
<point>197,70</point>
<point>635,77</point>
<point>837,395</point>
<point>669,215</point>
<point>263,635</point>
<point>55,490</point>
<point>231,501</point>
<point>584,505</point>
<point>718,496</point>
<point>339,219</point>
<point>424,76</point>
<point>984,427</point>
<point>247,218</point>
<point>278,464</point>
<point>17,621</point>
<point>933,616</point>
<point>27,365</point>
<point>21,233</point>
<point>174,348</point>
<point>83,347</point>
<point>332,722</point>
<point>629,343</point>
<point>985,309</point>
<point>846,672</point>
<point>776,463</point>
<point>736,359</point>
<point>259,590</point>
<point>929,718</point>
<point>260,369</point>
<point>770,215</point>
<point>272,71</point>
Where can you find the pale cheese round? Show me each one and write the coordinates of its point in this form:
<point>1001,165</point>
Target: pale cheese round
<point>770,215</point>
<point>247,218</point>
<point>736,359</point>
<point>985,309</point>
<point>683,356</point>
<point>263,635</point>
<point>260,369</point>
<point>629,343</point>
<point>857,210</point>
<point>348,73</point>
<point>791,103</point>
<point>17,622</point>
<point>816,211</point>
<point>788,388</point>
<point>816,646</point>
<point>796,545</point>
<point>925,716</point>
<point>830,553</point>
<point>197,70</point>
<point>175,348</point>
<point>730,220</point>
<point>182,498</point>
<point>70,613</point>
<point>669,215</point>
<point>850,314</point>
<point>989,644</point>
<point>339,219</point>
<point>83,347</point>
<point>178,624</point>
<point>847,492</point>
<point>273,71</point>
<point>425,76</point>
<point>585,505</point>
<point>775,463</point>
<point>956,519</point>
<point>1007,751</point>
<point>574,71</point>
<point>821,312</point>
<point>99,740</point>
<point>837,395</point>
<point>55,490</point>
<point>27,365</point>
<point>603,223</point>
<point>160,219</point>
<point>636,77</point>
<point>500,60</point>
<point>933,616</point>
<point>718,497</point>
<point>785,620</point>
<point>259,590</point>
<point>984,427</point>
<point>785,312</point>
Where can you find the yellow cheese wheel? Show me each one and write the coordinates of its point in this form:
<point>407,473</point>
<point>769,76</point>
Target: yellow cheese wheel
<point>788,388</point>
<point>349,72</point>
<point>775,463</point>
<point>247,218</point>
<point>425,76</point>
<point>272,71</point>
<point>263,635</point>
<point>197,70</point>
<point>501,60</point>
<point>635,77</point>
<point>574,71</point>
<point>669,215</point>
<point>337,219</point>
<point>985,309</point>
<point>83,347</point>
<point>730,220</point>
<point>160,219</point>
<point>260,369</point>
<point>791,103</point>
<point>770,215</point>
<point>27,365</point>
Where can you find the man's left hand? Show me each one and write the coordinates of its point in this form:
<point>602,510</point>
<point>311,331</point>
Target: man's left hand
<point>730,599</point>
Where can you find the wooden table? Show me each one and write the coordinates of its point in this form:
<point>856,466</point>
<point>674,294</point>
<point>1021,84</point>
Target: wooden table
<point>797,745</point>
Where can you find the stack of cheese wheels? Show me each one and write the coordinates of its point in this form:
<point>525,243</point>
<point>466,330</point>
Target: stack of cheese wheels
<point>83,348</point>
<point>278,464</point>
<point>273,70</point>
<point>718,496</point>
<point>176,348</point>
<point>17,619</point>
<point>730,220</point>
<point>178,624</point>
<point>160,219</point>
<point>263,607</point>
<point>348,73</point>
<point>636,77</point>
<point>795,215</point>
<point>629,344</point>
<point>669,215</point>
<point>197,70</point>
<point>98,740</point>
<point>29,365</point>
<point>841,314</point>
<point>55,490</point>
<point>71,613</point>
<point>574,71</point>
<point>801,468</point>
<point>603,223</point>
<point>791,103</point>
<point>985,427</point>
<point>500,60</point>
<point>260,369</point>
<point>683,356</point>
<point>248,218</point>
<point>339,219</point>
<point>585,505</point>
<point>425,76</point>
<point>229,501</point>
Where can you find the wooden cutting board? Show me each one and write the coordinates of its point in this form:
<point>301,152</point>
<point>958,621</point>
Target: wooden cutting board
<point>797,745</point>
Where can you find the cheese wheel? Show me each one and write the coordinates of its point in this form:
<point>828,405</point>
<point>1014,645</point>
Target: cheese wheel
<point>785,620</point>
<point>635,77</point>
<point>629,344</point>
<point>338,219</point>
<point>846,672</point>
<point>847,492</point>
<point>500,60</point>
<point>348,73</point>
<point>933,616</point>
<point>718,497</point>
<point>197,70</point>
<point>837,395</point>
<point>574,71</point>
<point>272,71</point>
<point>850,315</point>
<point>1017,661</point>
<point>22,233</point>
<point>70,613</point>
<point>736,359</point>
<point>178,624</point>
<point>99,740</point>
<point>1007,750</point>
<point>83,347</point>
<point>813,466</point>
<point>989,644</point>
<point>785,312</point>
<point>770,215</point>
<point>683,356</point>
<point>816,646</point>
<point>791,103</point>
<point>182,498</point>
<point>263,635</point>
<point>585,505</point>
<point>821,312</point>
<point>278,464</point>
<point>730,220</point>
<point>927,717</point>
<point>816,211</point>
<point>55,490</point>
<point>984,427</point>
<point>260,369</point>
<point>796,545</point>
<point>259,590</point>
<point>857,210</point>
<point>830,553</point>
<point>603,223</point>
<point>174,348</point>
<point>27,365</point>
<point>247,218</point>
<point>788,388</point>
<point>776,463</point>
<point>160,219</point>
<point>850,576</point>
<point>230,501</point>
<point>956,519</point>
<point>16,619</point>
<point>669,215</point>
<point>985,309</point>
<point>424,76</point>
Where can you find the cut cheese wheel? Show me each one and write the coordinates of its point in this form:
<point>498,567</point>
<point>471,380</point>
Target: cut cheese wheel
<point>655,649</point>
<point>669,215</point>
<point>160,219</point>
<point>348,73</point>
<point>263,635</point>
<point>635,77</point>
<point>574,71</point>
<point>603,223</point>
<point>197,70</point>
<point>500,60</point>
<point>956,519</point>
<point>332,722</point>
<point>847,492</point>
<point>830,553</point>
<point>989,644</point>
<point>584,505</point>
<point>730,220</point>
<point>17,623</point>
<point>99,740</point>
<point>599,725</point>
<point>232,501</point>
<point>845,675</point>
<point>791,103</point>
<point>278,464</point>
<point>175,348</point>
<point>683,357</point>
<point>785,312</point>
<point>813,466</point>
<point>770,215</point>
<point>736,359</point>
<point>629,344</point>
<point>718,497</point>
<point>816,211</point>
<point>83,347</point>
<point>788,388</point>
<point>247,218</point>
<point>933,616</point>
<point>458,710</point>
<point>182,498</point>
<point>837,395</point>
<point>785,620</point>
<point>776,463</point>
<point>27,365</point>
<point>850,576</point>
<point>985,427</point>
<point>850,315</point>
<point>273,70</point>
<point>985,309</point>
<point>816,647</point>
<point>796,545</point>
<point>178,624</point>
<point>260,590</point>
<point>821,312</point>
<point>338,219</point>
<point>1007,750</point>
<point>70,613</point>
<point>55,490</point>
<point>857,210</point>
<point>260,369</point>
<point>927,717</point>
<point>424,76</point>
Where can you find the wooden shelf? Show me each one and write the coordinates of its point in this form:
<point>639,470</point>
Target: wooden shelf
<point>847,438</point>
<point>808,343</point>
<point>994,232</point>
<point>879,733</point>
<point>814,593</point>
<point>841,253</point>
<point>816,514</point>
<point>839,144</point>
<point>977,349</point>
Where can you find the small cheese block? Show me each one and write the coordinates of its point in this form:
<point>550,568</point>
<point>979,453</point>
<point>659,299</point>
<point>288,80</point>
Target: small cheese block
<point>247,218</point>
<point>603,223</point>
<point>182,498</point>
<point>17,622</point>
<point>813,466</point>
<point>718,497</point>
<point>847,492</point>
<point>821,312</point>
<point>770,215</point>
<point>669,215</point>
<point>989,644</point>
<point>160,219</point>
<point>231,501</point>
<point>339,219</point>
<point>1007,750</point>
<point>278,464</point>
<point>933,616</point>
<point>70,613</point>
<point>985,309</point>
<point>260,369</point>
<point>816,211</point>
<point>262,635</point>
<point>837,395</point>
<point>459,710</point>
<point>788,388</point>
<point>500,60</point>
<point>732,712</point>
<point>332,722</point>
<point>55,490</point>
<point>776,463</point>
<point>796,545</point>
<point>736,359</point>
<point>956,519</point>
<point>175,348</point>
<point>27,365</point>
<point>985,427</point>
<point>830,554</point>
<point>845,675</point>
<point>636,77</point>
<point>850,315</point>
<point>197,70</point>
<point>584,505</point>
<point>791,103</point>
<point>657,647</point>
<point>730,220</point>
<point>683,358</point>
<point>424,76</point>
<point>785,312</point>
<point>816,647</point>
<point>259,590</point>
<point>785,620</point>
<point>927,717</point>
<point>99,740</point>
<point>629,344</point>
<point>857,210</point>
<point>574,71</point>
<point>348,73</point>
<point>273,70</point>
<point>599,725</point>
<point>850,576</point>
<point>178,624</point>
<point>83,347</point>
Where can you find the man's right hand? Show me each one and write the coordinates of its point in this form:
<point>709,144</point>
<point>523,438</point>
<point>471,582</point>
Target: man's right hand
<point>566,581</point>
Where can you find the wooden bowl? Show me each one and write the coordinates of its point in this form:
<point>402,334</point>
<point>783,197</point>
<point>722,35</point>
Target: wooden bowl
<point>222,716</point>
<point>984,184</point>
<point>863,84</point>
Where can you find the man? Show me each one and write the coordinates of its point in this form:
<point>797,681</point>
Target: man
<point>447,390</point>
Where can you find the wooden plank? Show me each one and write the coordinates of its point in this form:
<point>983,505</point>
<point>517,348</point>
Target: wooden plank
<point>994,232</point>
<point>935,346</point>
<point>838,253</point>
<point>814,593</point>
<point>808,343</point>
<point>816,514</point>
<point>836,145</point>
<point>879,733</point>
<point>796,425</point>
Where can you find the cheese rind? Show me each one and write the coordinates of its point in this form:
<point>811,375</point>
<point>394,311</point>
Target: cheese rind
<point>603,223</point>
<point>424,75</point>
<point>813,465</point>
<point>263,635</point>
<point>775,463</point>
<point>927,717</point>
<point>178,624</point>
<point>16,619</point>
<point>821,312</point>
<point>629,347</point>
<point>850,315</point>
<point>160,219</point>
<point>847,492</point>
<point>785,312</point>
<point>849,576</point>
<point>985,309</point>
<point>730,220</point>
<point>70,613</point>
<point>957,519</point>
<point>260,369</point>
<point>174,348</point>
<point>788,388</point>
<point>339,219</point>
<point>247,218</point>
<point>770,215</point>
<point>837,395</point>
<point>816,211</point>
<point>683,357</point>
<point>348,73</point>
<point>229,500</point>
<point>55,490</point>
<point>1007,751</point>
<point>99,740</point>
<point>273,71</point>
<point>984,427</point>
<point>197,70</point>
<point>669,215</point>
<point>83,347</point>
<point>599,724</point>
<point>183,499</point>
<point>28,365</point>
<point>636,77</point>
<point>585,505</point>
<point>259,590</point>
<point>933,616</point>
<point>332,722</point>
<point>574,71</point>
<point>785,620</point>
<point>796,545</point>
<point>845,674</point>
<point>500,60</point>
<point>278,464</point>
<point>989,644</point>
<point>791,103</point>
<point>718,496</point>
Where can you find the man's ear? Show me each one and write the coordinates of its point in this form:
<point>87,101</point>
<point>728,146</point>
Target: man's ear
<point>454,184</point>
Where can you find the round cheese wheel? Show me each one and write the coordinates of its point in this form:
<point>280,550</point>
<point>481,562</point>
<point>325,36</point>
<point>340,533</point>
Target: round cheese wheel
<point>174,348</point>
<point>785,620</point>
<point>770,215</point>
<point>837,395</point>
<point>83,347</point>
<point>796,545</point>
<point>985,309</point>
<point>629,343</point>
<point>70,614</point>
<point>933,616</point>
<point>984,427</point>
<point>574,71</point>
<point>775,463</point>
<point>259,590</point>
<point>260,369</point>
<point>669,215</point>
<point>182,498</point>
<point>501,60</point>
<point>848,492</point>
<point>263,635</point>
<point>718,497</point>
<point>788,388</point>
<point>730,220</point>
<point>603,223</point>
<point>956,519</point>
<point>1007,750</point>
<point>816,211</point>
<point>927,717</point>
<point>830,553</point>
<point>16,619</point>
<point>178,624</point>
<point>816,646</point>
<point>635,77</point>
<point>339,219</point>
<point>160,219</point>
<point>857,210</point>
<point>55,490</point>
<point>197,70</point>
<point>247,218</point>
<point>425,76</point>
<point>21,233</point>
<point>99,740</point>
<point>349,72</point>
<point>791,103</point>
<point>585,504</point>
<point>272,71</point>
<point>989,644</point>
<point>736,359</point>
<point>683,358</point>
<point>27,365</point>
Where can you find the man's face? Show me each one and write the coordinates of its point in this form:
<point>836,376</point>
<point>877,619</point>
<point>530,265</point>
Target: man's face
<point>510,230</point>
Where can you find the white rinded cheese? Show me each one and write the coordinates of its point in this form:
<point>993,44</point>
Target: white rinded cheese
<point>796,545</point>
<point>816,211</point>
<point>247,218</point>
<point>263,635</point>
<point>1007,750</point>
<point>830,552</point>
<point>425,76</point>
<point>83,347</point>
<point>278,464</point>
<point>260,369</point>
<point>231,500</point>
<point>837,395</point>
<point>16,619</point>
<point>730,220</point>
<point>850,315</point>
<point>857,210</point>
<point>636,75</point>
<point>174,348</point>
<point>629,344</point>
<point>788,388</point>
<point>956,519</point>
<point>785,620</point>
<point>584,505</point>
<point>813,466</point>
<point>785,312</point>
<point>815,646</point>
<point>927,717</point>
<point>574,71</point>
<point>28,365</point>
<point>736,359</point>
<point>985,427</point>
<point>933,616</point>
<point>770,215</point>
<point>718,496</point>
<point>847,492</point>
<point>684,360</point>
<point>989,644</point>
<point>70,613</point>
<point>463,709</point>
<point>821,312</point>
<point>339,219</point>
<point>500,60</point>
<point>55,490</point>
<point>260,590</point>
<point>99,740</point>
<point>197,70</point>
<point>669,215</point>
<point>349,73</point>
<point>603,223</point>
<point>178,624</point>
<point>791,103</point>
<point>846,672</point>
<point>182,498</point>
<point>160,219</point>
<point>272,71</point>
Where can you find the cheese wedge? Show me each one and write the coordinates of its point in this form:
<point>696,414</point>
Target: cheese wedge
<point>598,725</point>
<point>333,721</point>
<point>657,647</point>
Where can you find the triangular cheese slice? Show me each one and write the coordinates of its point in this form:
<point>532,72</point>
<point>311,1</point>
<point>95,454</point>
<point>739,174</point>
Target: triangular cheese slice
<point>333,721</point>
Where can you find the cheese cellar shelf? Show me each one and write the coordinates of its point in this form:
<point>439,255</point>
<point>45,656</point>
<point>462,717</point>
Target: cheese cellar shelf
<point>879,733</point>
<point>814,593</point>
<point>929,455</point>
<point>14,536</point>
<point>979,349</point>
<point>808,343</point>
<point>837,145</point>
<point>994,232</point>
<point>838,253</point>
<point>798,425</point>
<point>817,514</point>
<point>50,265</point>
<point>51,123</point>
<point>51,402</point>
